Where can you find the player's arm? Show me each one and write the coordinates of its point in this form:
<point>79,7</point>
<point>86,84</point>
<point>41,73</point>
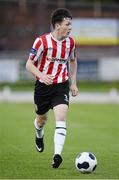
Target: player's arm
<point>34,55</point>
<point>33,69</point>
<point>47,79</point>
<point>73,71</point>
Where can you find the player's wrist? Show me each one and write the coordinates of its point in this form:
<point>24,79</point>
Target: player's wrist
<point>73,83</point>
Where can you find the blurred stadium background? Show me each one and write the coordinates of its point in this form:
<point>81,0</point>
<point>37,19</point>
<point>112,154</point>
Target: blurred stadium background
<point>95,28</point>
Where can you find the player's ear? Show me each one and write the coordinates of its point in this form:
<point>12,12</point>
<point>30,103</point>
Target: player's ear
<point>57,26</point>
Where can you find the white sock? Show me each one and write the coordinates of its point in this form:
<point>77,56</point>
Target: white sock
<point>59,136</point>
<point>39,130</point>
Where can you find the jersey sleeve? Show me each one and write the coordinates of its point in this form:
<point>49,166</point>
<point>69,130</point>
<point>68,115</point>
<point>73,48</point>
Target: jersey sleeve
<point>73,51</point>
<point>36,50</point>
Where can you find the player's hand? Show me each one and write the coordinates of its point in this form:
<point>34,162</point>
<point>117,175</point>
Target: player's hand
<point>46,79</point>
<point>74,90</point>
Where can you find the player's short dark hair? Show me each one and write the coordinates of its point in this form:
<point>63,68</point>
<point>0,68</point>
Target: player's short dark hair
<point>59,14</point>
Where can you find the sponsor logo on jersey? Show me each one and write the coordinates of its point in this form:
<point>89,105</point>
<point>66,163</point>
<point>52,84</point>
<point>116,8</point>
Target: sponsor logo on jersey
<point>60,61</point>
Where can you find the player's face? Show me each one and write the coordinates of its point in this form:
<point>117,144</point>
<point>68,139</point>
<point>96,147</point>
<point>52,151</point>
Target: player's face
<point>65,27</point>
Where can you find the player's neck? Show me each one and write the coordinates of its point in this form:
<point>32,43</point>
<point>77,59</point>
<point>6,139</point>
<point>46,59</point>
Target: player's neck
<point>57,36</point>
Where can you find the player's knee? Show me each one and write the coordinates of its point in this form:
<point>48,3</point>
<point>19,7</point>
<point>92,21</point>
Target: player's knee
<point>41,121</point>
<point>60,118</point>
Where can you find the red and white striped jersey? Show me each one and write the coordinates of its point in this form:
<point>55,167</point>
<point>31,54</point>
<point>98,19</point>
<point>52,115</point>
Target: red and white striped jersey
<point>51,56</point>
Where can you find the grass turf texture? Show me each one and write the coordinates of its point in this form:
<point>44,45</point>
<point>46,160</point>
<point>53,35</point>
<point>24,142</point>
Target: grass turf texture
<point>91,127</point>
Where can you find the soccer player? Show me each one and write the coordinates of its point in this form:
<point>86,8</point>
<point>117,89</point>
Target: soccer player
<point>52,60</point>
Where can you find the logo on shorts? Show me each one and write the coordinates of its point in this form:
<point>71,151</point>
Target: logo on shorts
<point>66,98</point>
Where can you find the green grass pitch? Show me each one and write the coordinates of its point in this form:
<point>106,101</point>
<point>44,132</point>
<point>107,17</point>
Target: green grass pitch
<point>91,127</point>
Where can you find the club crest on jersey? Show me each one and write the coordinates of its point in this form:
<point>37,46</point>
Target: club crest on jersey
<point>33,51</point>
<point>67,49</point>
<point>50,48</point>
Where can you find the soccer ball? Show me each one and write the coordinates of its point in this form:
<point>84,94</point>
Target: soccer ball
<point>86,162</point>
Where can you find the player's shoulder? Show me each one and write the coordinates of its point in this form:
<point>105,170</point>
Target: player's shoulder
<point>41,40</point>
<point>43,36</point>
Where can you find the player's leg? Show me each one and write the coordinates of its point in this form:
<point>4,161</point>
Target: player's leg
<point>42,106</point>
<point>60,112</point>
<point>39,124</point>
